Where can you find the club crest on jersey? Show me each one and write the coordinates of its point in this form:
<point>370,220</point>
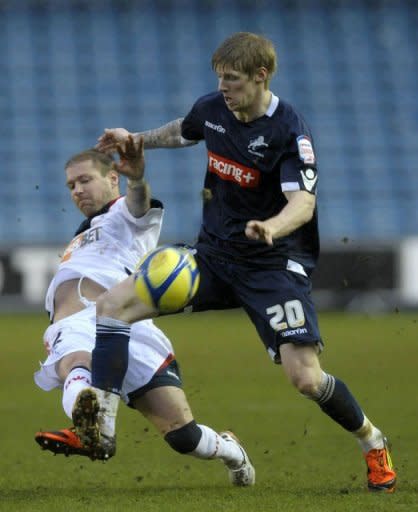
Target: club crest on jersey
<point>306,152</point>
<point>229,170</point>
<point>256,145</point>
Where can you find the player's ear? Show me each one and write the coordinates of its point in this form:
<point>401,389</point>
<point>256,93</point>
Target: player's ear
<point>114,175</point>
<point>261,75</point>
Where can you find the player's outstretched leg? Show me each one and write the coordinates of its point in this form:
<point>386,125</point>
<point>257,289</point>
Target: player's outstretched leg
<point>64,441</point>
<point>243,474</point>
<point>94,415</point>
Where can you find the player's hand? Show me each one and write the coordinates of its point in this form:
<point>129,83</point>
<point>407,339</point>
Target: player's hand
<point>111,137</point>
<point>259,230</point>
<point>131,158</point>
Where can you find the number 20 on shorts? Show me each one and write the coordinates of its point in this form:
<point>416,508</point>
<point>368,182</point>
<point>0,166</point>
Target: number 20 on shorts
<point>289,315</point>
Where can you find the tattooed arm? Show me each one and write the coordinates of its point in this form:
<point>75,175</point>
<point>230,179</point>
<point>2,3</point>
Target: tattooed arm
<point>166,136</point>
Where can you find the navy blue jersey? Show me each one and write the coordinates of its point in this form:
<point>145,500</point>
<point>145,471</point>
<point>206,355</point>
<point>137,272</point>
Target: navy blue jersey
<point>250,165</point>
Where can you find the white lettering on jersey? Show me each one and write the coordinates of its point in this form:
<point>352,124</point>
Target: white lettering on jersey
<point>229,170</point>
<point>306,152</point>
<point>217,127</point>
<point>309,178</point>
<point>87,237</point>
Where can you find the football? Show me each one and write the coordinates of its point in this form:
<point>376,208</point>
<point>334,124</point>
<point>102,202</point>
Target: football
<point>167,278</point>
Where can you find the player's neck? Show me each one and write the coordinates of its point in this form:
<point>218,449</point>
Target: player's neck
<point>257,109</point>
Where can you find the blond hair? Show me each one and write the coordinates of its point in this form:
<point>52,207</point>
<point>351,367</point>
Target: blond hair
<point>246,52</point>
<point>102,160</point>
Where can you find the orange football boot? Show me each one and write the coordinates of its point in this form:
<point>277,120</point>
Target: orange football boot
<point>64,441</point>
<point>380,473</point>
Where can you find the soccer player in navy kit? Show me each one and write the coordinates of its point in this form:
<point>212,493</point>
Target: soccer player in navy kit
<point>258,242</point>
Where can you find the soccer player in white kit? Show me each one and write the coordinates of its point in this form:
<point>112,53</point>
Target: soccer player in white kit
<point>117,232</point>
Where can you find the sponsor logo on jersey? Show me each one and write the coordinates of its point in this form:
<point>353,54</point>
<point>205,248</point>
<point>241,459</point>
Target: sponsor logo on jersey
<point>256,145</point>
<point>229,170</point>
<point>309,178</point>
<point>306,152</point>
<point>87,237</point>
<point>217,127</point>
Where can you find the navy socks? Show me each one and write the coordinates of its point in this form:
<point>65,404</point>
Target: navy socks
<point>335,399</point>
<point>110,355</point>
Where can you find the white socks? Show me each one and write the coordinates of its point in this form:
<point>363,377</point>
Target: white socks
<point>109,403</point>
<point>213,446</point>
<point>369,437</point>
<point>77,379</point>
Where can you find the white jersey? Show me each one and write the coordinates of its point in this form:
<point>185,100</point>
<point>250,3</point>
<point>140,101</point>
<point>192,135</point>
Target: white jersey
<point>109,250</point>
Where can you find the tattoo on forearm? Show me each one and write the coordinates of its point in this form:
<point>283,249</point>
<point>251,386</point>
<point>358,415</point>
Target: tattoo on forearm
<point>167,136</point>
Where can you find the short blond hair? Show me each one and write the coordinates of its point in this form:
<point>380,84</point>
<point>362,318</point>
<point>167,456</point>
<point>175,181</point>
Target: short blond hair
<point>102,160</point>
<point>246,52</point>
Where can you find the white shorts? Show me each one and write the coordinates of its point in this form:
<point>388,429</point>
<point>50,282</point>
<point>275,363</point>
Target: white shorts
<point>149,349</point>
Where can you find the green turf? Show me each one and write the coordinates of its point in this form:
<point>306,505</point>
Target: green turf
<point>304,461</point>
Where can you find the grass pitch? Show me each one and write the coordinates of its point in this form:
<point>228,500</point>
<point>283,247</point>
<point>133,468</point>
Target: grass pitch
<point>304,461</point>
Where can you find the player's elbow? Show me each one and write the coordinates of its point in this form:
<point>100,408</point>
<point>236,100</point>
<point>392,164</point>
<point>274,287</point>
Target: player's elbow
<point>309,213</point>
<point>308,208</point>
<point>302,204</point>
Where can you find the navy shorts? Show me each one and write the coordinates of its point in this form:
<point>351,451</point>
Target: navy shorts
<point>278,301</point>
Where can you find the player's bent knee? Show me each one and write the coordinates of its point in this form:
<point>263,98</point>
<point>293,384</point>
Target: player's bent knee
<point>307,389</point>
<point>184,439</point>
<point>79,358</point>
<point>307,386</point>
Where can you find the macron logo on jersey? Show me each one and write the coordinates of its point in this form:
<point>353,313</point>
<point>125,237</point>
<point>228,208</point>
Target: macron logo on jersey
<point>217,127</point>
<point>229,170</point>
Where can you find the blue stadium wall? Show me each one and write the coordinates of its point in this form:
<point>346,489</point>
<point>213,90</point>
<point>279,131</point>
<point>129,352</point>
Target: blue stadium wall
<point>68,69</point>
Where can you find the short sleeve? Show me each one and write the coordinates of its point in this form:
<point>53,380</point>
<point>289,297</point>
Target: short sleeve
<point>192,125</point>
<point>298,170</point>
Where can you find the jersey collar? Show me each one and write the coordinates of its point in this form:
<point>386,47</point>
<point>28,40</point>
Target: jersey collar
<point>87,222</point>
<point>274,103</point>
